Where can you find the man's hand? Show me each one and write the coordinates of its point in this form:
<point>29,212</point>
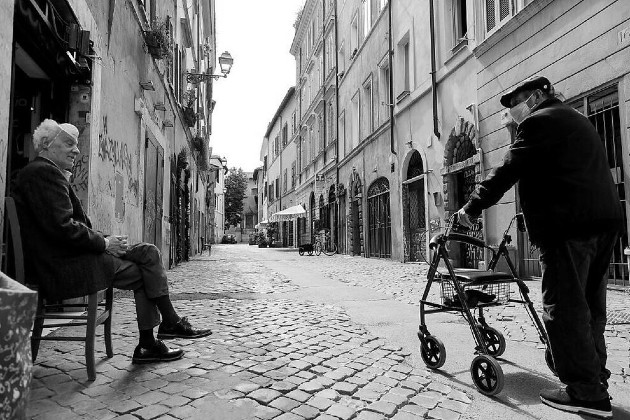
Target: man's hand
<point>463,218</point>
<point>117,245</point>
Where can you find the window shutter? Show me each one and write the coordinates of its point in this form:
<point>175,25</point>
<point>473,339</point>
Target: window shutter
<point>490,15</point>
<point>504,9</point>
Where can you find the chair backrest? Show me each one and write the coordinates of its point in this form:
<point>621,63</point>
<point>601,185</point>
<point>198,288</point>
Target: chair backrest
<point>16,239</point>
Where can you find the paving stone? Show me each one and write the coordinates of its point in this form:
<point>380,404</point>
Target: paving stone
<point>443,414</point>
<point>306,411</point>
<point>396,375</point>
<point>284,404</point>
<point>330,394</point>
<point>264,395</point>
<point>436,386</point>
<point>370,415</point>
<point>283,386</point>
<point>396,399</point>
<point>311,386</point>
<point>300,364</point>
<point>151,412</point>
<point>345,388</point>
<point>390,382</point>
<point>176,401</point>
<point>453,405</point>
<point>246,387</point>
<point>266,413</point>
<point>405,392</point>
<point>289,416</point>
<point>357,380</point>
<point>341,411</point>
<point>320,403</point>
<point>459,396</point>
<point>298,395</point>
<point>386,408</point>
<point>367,395</point>
<point>426,401</point>
<point>404,415</point>
<point>416,410</point>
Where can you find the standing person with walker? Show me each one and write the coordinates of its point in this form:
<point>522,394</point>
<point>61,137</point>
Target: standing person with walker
<point>573,214</point>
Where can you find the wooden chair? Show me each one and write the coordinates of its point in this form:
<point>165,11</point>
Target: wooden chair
<point>45,311</point>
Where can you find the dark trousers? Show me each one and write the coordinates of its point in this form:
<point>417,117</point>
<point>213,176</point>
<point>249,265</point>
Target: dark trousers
<point>574,277</point>
<point>141,270</point>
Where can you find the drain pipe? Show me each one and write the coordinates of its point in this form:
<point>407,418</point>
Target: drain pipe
<point>436,130</point>
<point>391,81</point>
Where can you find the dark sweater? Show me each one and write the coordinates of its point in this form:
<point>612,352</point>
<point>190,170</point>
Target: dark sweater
<point>565,185</point>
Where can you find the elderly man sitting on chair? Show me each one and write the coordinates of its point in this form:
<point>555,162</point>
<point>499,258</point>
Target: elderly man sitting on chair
<point>66,258</point>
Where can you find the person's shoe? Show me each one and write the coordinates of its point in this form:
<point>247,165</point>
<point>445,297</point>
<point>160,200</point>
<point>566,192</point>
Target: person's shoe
<point>561,400</point>
<point>158,352</point>
<point>182,329</point>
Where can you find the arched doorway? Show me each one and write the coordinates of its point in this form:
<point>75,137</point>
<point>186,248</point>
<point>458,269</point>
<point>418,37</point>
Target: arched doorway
<point>355,217</point>
<point>341,239</point>
<point>379,219</point>
<point>414,215</point>
<point>323,214</point>
<point>462,168</point>
<point>311,204</point>
<point>332,213</point>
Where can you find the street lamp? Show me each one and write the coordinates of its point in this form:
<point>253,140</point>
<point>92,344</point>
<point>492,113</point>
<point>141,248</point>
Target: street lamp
<point>225,62</point>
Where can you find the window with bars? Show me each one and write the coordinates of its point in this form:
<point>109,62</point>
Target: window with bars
<point>293,175</point>
<point>368,94</point>
<point>284,181</point>
<point>602,109</point>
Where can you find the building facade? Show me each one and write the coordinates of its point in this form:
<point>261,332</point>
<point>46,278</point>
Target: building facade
<point>249,217</point>
<point>117,72</point>
<point>217,185</point>
<point>399,117</point>
<point>280,167</point>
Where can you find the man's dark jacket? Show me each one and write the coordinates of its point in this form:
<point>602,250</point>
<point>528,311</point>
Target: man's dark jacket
<point>565,185</point>
<point>63,255</point>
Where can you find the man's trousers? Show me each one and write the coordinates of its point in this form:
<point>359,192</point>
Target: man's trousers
<point>141,270</point>
<point>574,278</point>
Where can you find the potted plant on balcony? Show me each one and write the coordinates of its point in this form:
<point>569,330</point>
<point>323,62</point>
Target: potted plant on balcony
<point>158,40</point>
<point>188,105</point>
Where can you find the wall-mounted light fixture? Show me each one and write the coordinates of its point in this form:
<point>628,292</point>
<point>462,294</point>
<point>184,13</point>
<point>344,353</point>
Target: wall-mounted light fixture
<point>225,62</point>
<point>159,106</point>
<point>147,85</point>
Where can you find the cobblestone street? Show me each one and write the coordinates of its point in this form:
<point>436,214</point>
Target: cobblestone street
<point>277,352</point>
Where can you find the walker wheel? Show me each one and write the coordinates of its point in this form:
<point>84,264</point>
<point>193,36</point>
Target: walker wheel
<point>487,374</point>
<point>549,359</point>
<point>310,252</point>
<point>301,251</point>
<point>495,342</point>
<point>433,352</point>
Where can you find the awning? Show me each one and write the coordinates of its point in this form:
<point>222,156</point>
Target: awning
<point>261,224</point>
<point>291,213</point>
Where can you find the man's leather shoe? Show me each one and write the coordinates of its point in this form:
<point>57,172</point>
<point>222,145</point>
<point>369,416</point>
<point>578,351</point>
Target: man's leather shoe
<point>158,352</point>
<point>182,329</point>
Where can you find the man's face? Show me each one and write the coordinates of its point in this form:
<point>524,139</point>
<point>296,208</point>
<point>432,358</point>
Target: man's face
<point>524,96</point>
<point>62,151</point>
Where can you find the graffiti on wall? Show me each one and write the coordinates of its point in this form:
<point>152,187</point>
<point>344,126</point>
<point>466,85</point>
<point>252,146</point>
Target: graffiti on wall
<point>80,173</point>
<point>116,152</point>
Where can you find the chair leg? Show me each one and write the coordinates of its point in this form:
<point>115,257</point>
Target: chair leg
<point>89,336</point>
<point>109,297</point>
<point>38,326</point>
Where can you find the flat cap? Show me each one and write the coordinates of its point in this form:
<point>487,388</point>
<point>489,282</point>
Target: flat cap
<point>533,83</point>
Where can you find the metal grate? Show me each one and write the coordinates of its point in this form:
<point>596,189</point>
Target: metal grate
<point>617,317</point>
<point>504,9</point>
<point>490,15</point>
<point>379,219</point>
<point>602,109</point>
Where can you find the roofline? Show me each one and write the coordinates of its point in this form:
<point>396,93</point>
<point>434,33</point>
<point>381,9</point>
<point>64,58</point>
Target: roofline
<point>301,27</point>
<point>283,104</point>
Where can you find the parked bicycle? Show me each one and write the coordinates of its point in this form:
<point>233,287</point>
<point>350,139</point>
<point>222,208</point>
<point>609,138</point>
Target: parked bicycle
<point>324,243</point>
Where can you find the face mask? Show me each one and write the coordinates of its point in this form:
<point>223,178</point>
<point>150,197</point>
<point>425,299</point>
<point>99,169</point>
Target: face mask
<point>521,111</point>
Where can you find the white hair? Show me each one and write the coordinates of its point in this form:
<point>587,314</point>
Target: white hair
<point>45,133</point>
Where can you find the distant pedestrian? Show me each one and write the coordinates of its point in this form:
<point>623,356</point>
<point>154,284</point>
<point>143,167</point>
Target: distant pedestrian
<point>66,258</point>
<point>573,214</point>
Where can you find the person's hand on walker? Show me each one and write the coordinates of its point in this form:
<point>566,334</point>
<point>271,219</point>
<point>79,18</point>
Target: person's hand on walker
<point>464,219</point>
